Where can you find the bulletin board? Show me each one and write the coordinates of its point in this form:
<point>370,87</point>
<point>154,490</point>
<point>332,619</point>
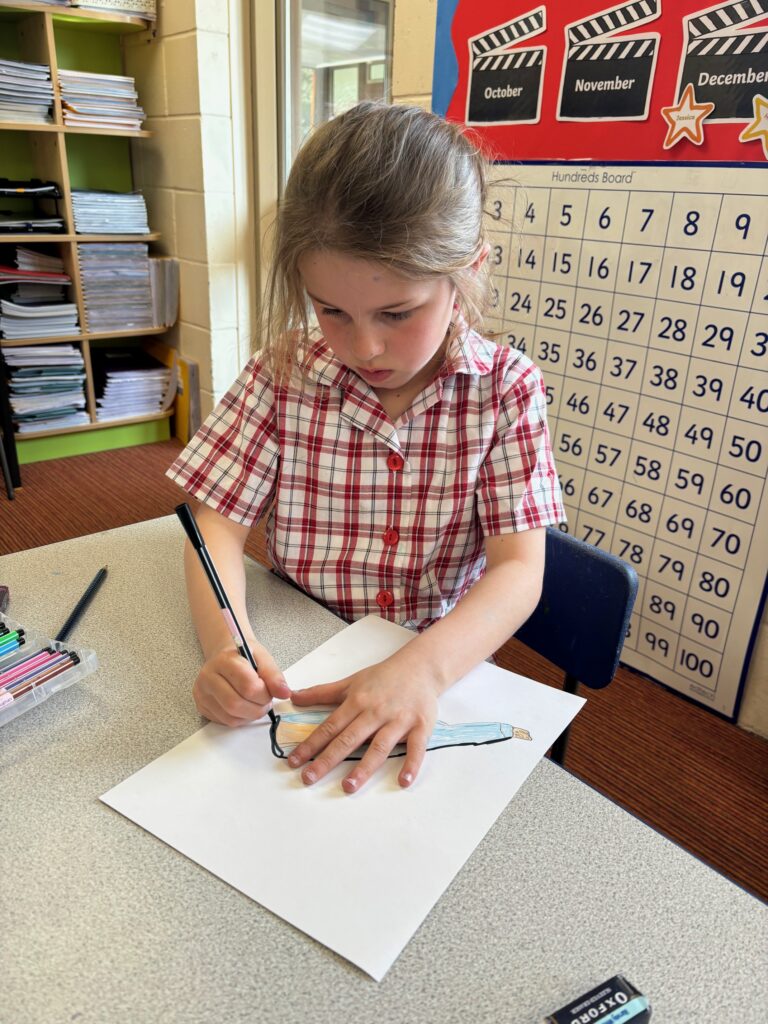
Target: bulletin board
<point>629,249</point>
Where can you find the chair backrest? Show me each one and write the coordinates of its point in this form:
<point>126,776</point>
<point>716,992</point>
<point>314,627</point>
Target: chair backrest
<point>582,618</point>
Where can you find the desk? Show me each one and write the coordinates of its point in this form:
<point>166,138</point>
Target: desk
<point>101,922</point>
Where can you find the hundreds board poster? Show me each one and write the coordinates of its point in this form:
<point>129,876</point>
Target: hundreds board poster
<point>629,233</point>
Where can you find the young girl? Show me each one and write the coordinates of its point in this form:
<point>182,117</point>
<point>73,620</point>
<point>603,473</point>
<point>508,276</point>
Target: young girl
<point>404,460</point>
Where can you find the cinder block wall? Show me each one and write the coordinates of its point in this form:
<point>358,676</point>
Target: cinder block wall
<point>413,52</point>
<point>188,72</point>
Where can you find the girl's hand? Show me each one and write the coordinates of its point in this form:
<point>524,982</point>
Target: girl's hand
<point>228,691</point>
<point>377,705</point>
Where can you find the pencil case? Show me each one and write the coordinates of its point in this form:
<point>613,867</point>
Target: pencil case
<point>19,668</point>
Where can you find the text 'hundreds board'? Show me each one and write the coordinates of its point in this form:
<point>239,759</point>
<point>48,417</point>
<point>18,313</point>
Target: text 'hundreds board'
<point>642,294</point>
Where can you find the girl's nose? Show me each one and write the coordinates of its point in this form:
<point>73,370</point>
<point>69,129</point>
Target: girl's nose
<point>365,344</point>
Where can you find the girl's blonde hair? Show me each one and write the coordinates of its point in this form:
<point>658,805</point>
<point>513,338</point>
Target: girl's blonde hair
<point>392,184</point>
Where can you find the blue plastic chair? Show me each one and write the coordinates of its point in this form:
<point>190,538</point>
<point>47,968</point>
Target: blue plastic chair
<point>581,621</point>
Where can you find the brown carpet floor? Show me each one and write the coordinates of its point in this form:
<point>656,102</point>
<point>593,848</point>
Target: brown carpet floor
<point>698,779</point>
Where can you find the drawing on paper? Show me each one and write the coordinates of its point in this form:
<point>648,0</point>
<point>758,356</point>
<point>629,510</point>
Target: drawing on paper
<point>288,730</point>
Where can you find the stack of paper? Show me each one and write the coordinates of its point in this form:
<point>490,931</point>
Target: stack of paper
<point>36,309</point>
<point>35,261</point>
<point>129,382</point>
<point>116,285</point>
<point>26,91</point>
<point>44,320</point>
<point>164,276</point>
<point>141,8</point>
<point>96,101</point>
<point>46,387</point>
<point>109,213</point>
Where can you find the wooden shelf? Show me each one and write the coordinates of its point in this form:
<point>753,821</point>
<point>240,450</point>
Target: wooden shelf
<point>97,426</point>
<point>29,236</point>
<point>118,133</point>
<point>140,332</point>
<point>70,129</point>
<point>29,126</point>
<point>110,20</point>
<point>50,34</point>
<point>153,236</point>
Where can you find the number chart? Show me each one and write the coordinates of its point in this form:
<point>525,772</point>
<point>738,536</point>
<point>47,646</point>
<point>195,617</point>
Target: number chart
<point>629,223</point>
<point>642,295</point>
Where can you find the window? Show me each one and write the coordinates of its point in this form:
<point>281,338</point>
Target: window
<point>335,53</point>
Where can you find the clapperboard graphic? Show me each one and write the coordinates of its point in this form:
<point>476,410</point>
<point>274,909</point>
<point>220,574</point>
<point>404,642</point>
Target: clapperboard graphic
<point>504,84</point>
<point>607,77</point>
<point>725,64</point>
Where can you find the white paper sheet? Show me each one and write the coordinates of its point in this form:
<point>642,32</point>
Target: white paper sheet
<point>357,873</point>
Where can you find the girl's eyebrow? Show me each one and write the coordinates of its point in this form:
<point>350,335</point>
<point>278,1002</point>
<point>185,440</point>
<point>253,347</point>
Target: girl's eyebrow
<point>331,305</point>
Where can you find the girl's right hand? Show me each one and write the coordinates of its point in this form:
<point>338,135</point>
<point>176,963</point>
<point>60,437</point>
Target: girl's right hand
<point>228,691</point>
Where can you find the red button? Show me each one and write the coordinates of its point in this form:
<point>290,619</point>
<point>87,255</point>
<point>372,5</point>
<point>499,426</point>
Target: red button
<point>385,598</point>
<point>391,536</point>
<point>395,462</point>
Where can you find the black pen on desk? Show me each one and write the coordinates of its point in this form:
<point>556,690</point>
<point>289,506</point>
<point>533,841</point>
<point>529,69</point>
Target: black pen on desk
<point>184,512</point>
<point>82,604</point>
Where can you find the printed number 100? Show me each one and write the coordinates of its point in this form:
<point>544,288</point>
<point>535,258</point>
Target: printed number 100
<point>691,661</point>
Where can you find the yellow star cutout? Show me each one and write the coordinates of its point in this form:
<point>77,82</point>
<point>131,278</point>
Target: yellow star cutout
<point>758,129</point>
<point>685,119</point>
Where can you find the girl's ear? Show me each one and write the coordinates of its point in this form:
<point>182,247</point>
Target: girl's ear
<point>482,257</point>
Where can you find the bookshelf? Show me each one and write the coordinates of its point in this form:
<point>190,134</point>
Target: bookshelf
<point>74,158</point>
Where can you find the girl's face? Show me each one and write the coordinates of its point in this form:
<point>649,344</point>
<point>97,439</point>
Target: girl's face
<point>390,330</point>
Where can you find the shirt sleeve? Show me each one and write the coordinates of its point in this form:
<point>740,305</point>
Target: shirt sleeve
<point>231,463</point>
<point>518,487</point>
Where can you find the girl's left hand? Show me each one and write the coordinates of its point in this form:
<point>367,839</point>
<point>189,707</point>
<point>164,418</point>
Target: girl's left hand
<point>378,706</point>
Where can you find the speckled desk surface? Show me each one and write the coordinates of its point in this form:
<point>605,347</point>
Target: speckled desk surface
<point>101,922</point>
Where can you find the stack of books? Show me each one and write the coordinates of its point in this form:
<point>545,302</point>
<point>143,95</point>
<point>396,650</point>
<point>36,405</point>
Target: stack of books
<point>46,387</point>
<point>100,101</point>
<point>109,213</point>
<point>164,277</point>
<point>36,308</point>
<point>116,285</point>
<point>143,8</point>
<point>130,382</point>
<point>26,92</point>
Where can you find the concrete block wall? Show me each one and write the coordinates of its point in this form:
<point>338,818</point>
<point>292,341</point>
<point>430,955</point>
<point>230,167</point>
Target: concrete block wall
<point>194,174</point>
<point>413,52</point>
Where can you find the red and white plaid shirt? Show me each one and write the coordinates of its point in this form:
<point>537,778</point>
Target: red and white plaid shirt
<point>371,515</point>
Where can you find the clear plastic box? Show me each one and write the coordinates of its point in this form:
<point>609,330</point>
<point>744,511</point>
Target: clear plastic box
<point>37,642</point>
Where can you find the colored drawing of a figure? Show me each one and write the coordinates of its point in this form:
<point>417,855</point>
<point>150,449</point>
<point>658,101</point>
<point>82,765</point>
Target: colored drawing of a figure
<point>291,729</point>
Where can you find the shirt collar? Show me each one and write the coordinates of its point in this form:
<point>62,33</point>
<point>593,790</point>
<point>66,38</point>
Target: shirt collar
<point>467,353</point>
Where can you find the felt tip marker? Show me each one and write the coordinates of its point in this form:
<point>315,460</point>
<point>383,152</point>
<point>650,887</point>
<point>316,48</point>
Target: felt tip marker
<point>184,512</point>
<point>45,676</point>
<point>31,672</point>
<point>10,648</point>
<point>20,667</point>
<point>77,612</point>
<point>8,637</point>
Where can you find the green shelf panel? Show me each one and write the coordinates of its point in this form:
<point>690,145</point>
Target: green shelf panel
<point>99,162</point>
<point>86,48</point>
<point>9,39</point>
<point>82,442</point>
<point>16,160</point>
